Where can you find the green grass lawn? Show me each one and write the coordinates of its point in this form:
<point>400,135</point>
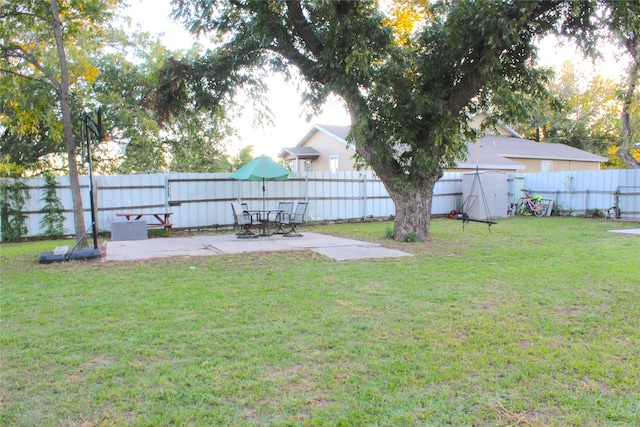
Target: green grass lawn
<point>536,323</point>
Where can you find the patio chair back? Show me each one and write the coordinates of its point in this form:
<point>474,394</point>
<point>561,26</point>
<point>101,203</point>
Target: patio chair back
<point>296,219</point>
<point>243,207</point>
<point>286,208</point>
<point>243,219</point>
<point>239,215</point>
<point>301,210</point>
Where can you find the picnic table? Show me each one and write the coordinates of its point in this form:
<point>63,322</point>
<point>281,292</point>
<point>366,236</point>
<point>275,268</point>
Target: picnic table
<point>163,218</point>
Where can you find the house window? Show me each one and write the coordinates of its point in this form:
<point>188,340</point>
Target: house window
<point>289,164</point>
<point>546,166</point>
<point>333,164</point>
<point>307,166</point>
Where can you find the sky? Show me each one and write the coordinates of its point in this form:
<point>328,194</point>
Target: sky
<point>290,125</point>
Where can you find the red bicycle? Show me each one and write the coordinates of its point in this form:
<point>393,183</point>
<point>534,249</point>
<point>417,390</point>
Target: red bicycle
<point>532,205</point>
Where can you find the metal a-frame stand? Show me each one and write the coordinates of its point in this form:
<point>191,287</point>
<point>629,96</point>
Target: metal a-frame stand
<point>472,199</point>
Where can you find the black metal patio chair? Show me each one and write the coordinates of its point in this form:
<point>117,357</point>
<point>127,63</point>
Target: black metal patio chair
<point>294,220</point>
<point>244,221</point>
<point>285,209</point>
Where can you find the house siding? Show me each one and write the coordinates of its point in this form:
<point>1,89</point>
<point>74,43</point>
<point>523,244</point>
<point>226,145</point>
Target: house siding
<point>535,165</point>
<point>327,146</point>
<point>467,170</point>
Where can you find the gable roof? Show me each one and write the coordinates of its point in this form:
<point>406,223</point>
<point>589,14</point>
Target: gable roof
<point>509,147</point>
<point>482,115</point>
<point>300,152</point>
<point>339,133</point>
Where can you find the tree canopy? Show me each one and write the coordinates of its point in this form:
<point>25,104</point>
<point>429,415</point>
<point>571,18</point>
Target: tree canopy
<point>109,68</point>
<point>581,111</point>
<point>410,72</point>
<point>42,42</point>
<point>59,59</point>
<point>623,22</point>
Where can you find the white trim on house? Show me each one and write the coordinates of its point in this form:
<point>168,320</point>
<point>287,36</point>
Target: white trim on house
<point>500,123</point>
<point>510,130</point>
<point>327,129</point>
<point>334,163</point>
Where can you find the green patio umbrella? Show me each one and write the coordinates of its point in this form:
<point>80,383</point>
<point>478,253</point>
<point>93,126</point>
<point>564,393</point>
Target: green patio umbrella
<point>263,169</point>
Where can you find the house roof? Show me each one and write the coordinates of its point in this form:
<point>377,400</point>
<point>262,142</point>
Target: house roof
<point>339,133</point>
<point>300,152</point>
<point>493,151</point>
<point>484,160</point>
<point>510,147</point>
<point>499,122</point>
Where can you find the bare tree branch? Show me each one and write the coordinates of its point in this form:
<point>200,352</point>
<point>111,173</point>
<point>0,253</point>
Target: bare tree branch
<point>304,30</point>
<point>15,51</point>
<point>15,73</point>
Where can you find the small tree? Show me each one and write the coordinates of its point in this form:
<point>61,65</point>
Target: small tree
<point>13,197</point>
<point>53,221</point>
<point>244,156</point>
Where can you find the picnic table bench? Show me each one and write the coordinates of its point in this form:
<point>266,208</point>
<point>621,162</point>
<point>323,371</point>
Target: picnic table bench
<point>163,219</point>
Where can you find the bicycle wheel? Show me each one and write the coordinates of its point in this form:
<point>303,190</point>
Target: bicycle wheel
<point>541,210</point>
<point>521,209</point>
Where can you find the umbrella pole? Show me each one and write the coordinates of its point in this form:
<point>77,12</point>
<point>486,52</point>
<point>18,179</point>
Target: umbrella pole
<point>264,196</point>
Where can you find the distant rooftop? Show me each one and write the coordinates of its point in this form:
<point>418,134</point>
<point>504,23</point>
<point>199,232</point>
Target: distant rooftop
<point>490,152</point>
<point>507,146</point>
<point>300,152</point>
<point>339,131</point>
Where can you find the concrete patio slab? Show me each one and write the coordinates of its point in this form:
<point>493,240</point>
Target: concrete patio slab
<point>635,231</point>
<point>342,253</point>
<point>333,247</point>
<point>136,250</point>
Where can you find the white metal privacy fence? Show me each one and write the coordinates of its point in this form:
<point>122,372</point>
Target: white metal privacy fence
<point>201,201</point>
<point>581,192</point>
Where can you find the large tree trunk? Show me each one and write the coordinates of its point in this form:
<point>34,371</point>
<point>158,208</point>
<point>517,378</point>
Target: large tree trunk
<point>624,152</point>
<point>413,209</point>
<point>63,95</point>
<point>412,199</point>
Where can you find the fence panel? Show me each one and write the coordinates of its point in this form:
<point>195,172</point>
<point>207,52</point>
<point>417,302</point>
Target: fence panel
<point>628,197</point>
<point>578,192</point>
<point>447,193</point>
<point>202,200</point>
<point>143,193</point>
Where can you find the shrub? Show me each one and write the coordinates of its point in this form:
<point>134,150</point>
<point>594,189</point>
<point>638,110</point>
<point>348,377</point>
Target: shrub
<point>13,197</point>
<point>410,237</point>
<point>53,221</point>
<point>593,213</point>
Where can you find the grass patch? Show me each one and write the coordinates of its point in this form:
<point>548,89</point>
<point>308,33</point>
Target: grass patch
<point>534,324</point>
